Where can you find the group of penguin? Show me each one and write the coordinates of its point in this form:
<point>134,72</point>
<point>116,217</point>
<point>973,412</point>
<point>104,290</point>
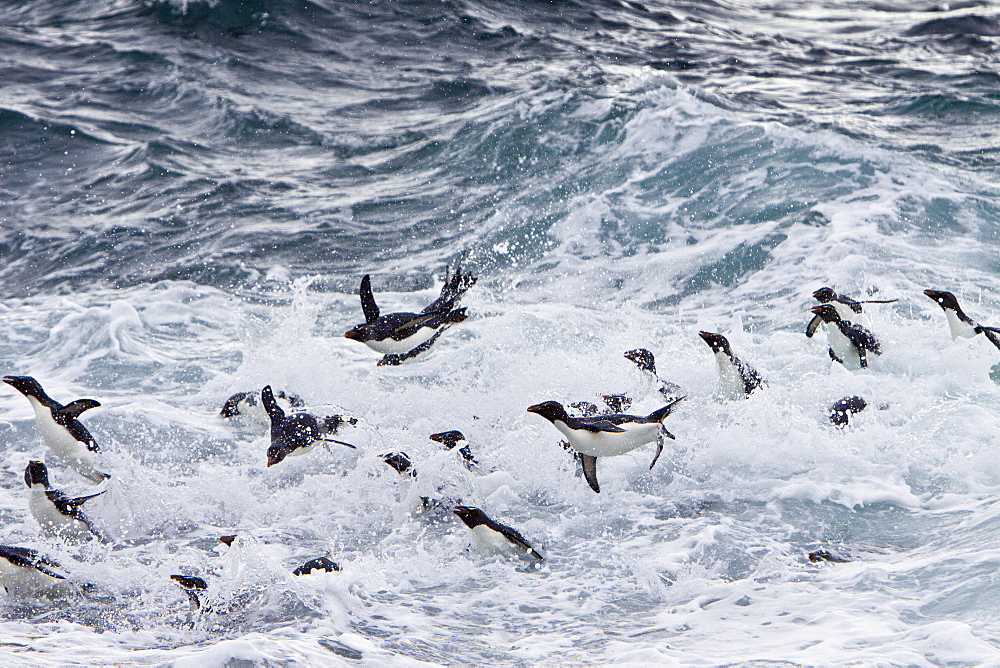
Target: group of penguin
<point>590,434</point>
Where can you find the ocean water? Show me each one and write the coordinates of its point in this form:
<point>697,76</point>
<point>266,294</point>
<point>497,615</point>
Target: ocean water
<point>191,191</point>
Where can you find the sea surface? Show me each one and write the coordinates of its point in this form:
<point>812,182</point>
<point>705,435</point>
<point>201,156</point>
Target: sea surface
<point>190,193</point>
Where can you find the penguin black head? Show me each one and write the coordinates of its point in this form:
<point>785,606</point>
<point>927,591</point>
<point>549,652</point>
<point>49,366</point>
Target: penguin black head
<point>317,564</point>
<point>359,333</point>
<point>400,462</point>
<point>190,581</point>
<point>27,386</point>
<point>550,410</point>
<point>825,295</point>
<point>827,312</point>
<point>943,298</point>
<point>717,342</point>
<point>472,517</point>
<point>643,359</point>
<point>36,474</point>
<point>449,439</point>
<point>840,411</point>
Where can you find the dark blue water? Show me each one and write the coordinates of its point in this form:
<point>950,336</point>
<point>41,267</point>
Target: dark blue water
<point>149,141</point>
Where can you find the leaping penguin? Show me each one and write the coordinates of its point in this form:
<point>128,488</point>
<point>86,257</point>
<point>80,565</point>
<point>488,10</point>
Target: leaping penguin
<point>397,334</point>
<point>450,439</point>
<point>193,587</point>
<point>961,324</point>
<point>296,433</point>
<point>737,379</point>
<point>248,405</point>
<point>606,435</point>
<point>845,306</point>
<point>57,513</point>
<point>59,428</point>
<point>644,359</point>
<point>24,572</point>
<point>849,343</point>
<point>490,536</point>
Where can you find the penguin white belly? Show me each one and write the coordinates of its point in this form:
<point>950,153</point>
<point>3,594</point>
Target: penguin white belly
<point>609,444</point>
<point>390,346</point>
<point>71,451</point>
<point>21,581</point>
<point>488,541</point>
<point>52,521</point>
<point>959,328</point>
<point>842,347</point>
<point>730,379</point>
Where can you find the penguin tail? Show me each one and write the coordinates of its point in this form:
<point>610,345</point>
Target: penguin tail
<point>456,316</point>
<point>659,414</point>
<point>455,285</point>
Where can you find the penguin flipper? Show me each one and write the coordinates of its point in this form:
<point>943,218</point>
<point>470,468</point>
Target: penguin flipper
<point>368,305</point>
<point>597,426</point>
<point>274,411</point>
<point>993,334</point>
<point>80,500</point>
<point>813,326</point>
<point>75,408</point>
<point>590,471</point>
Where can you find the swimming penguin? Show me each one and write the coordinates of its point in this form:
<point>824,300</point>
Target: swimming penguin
<point>248,405</point>
<point>57,513</point>
<point>845,306</point>
<point>317,564</point>
<point>606,435</point>
<point>396,334</point>
<point>737,379</point>
<point>401,463</point>
<point>192,585</point>
<point>491,537</point>
<point>644,359</point>
<point>961,324</point>
<point>841,411</point>
<point>849,343</point>
<point>24,572</point>
<point>59,428</point>
<point>450,439</point>
<point>296,433</point>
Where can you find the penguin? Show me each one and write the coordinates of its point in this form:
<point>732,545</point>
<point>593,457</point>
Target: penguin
<point>396,334</point>
<point>24,572</point>
<point>645,360</point>
<point>606,435</point>
<point>492,537</point>
<point>317,564</point>
<point>192,585</point>
<point>846,307</point>
<point>59,428</point>
<point>849,343</point>
<point>57,513</point>
<point>737,379</point>
<point>450,439</point>
<point>401,463</point>
<point>961,324</point>
<point>248,405</point>
<point>841,411</point>
<point>296,433</point>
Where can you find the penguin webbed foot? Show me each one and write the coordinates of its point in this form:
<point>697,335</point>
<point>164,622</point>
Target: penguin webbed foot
<point>659,449</point>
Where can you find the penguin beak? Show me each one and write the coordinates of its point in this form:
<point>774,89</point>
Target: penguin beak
<point>271,461</point>
<point>816,309</point>
<point>353,334</point>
